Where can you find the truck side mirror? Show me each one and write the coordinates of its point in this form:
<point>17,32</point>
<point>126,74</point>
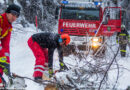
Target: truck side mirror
<point>56,12</point>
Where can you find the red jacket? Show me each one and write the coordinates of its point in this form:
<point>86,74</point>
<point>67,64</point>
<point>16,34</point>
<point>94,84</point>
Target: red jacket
<point>5,34</point>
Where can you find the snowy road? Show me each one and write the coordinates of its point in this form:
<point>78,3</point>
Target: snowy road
<point>22,61</point>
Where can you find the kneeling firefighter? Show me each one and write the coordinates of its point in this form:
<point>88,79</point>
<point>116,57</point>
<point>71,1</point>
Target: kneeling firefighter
<point>43,46</point>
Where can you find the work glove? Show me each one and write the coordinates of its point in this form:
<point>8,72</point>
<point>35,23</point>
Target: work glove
<point>5,65</point>
<point>7,71</point>
<point>63,66</point>
<point>50,72</point>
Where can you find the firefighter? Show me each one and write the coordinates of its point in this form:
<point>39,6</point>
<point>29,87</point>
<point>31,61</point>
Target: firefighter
<point>122,38</point>
<point>43,46</point>
<point>6,19</point>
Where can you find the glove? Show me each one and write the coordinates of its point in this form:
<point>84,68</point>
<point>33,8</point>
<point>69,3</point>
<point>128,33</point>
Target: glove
<point>50,72</point>
<point>7,70</point>
<point>62,66</point>
<point>5,65</point>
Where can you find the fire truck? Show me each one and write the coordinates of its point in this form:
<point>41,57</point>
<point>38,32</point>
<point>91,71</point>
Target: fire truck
<point>88,23</point>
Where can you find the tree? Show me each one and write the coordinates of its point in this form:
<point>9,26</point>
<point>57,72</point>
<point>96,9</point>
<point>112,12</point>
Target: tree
<point>43,9</point>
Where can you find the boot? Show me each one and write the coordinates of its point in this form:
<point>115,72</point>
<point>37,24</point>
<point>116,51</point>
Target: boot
<point>38,79</point>
<point>1,83</point>
<point>50,72</point>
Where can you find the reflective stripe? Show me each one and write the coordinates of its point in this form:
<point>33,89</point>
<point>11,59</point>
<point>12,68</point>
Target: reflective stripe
<point>129,38</point>
<point>1,24</point>
<point>0,47</point>
<point>37,66</point>
<point>3,59</point>
<point>1,20</point>
<point>122,34</point>
<point>46,64</point>
<point>39,70</point>
<point>116,41</point>
<point>0,30</point>
<point>123,50</point>
<point>2,66</point>
<point>7,54</point>
<point>6,32</point>
<point>46,68</point>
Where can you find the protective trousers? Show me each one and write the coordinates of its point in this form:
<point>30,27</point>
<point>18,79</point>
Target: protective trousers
<point>41,55</point>
<point>2,53</point>
<point>123,49</point>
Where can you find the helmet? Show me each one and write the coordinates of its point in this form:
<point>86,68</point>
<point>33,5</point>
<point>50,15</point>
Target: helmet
<point>14,9</point>
<point>65,38</point>
<point>122,26</point>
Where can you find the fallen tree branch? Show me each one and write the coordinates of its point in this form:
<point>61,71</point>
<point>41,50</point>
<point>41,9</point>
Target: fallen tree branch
<point>108,69</point>
<point>44,82</point>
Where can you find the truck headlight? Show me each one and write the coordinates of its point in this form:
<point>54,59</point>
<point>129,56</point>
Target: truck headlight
<point>95,39</point>
<point>94,44</point>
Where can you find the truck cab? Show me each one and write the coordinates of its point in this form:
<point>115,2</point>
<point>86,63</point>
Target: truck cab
<point>85,21</point>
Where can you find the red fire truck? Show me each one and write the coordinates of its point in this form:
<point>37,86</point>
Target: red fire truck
<point>85,20</point>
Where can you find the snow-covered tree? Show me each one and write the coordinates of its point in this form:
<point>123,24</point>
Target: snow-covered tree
<point>43,9</point>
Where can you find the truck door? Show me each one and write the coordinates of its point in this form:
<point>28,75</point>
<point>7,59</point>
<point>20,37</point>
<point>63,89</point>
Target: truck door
<point>111,20</point>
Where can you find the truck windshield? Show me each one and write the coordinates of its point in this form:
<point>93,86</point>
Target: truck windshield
<point>80,14</point>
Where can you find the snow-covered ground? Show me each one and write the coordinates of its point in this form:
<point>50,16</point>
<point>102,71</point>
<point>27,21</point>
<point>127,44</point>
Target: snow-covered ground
<point>23,60</point>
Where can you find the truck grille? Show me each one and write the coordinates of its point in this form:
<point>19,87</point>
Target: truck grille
<point>75,31</point>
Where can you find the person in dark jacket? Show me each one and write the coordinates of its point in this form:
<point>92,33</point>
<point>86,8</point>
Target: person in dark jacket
<point>123,38</point>
<point>43,46</point>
